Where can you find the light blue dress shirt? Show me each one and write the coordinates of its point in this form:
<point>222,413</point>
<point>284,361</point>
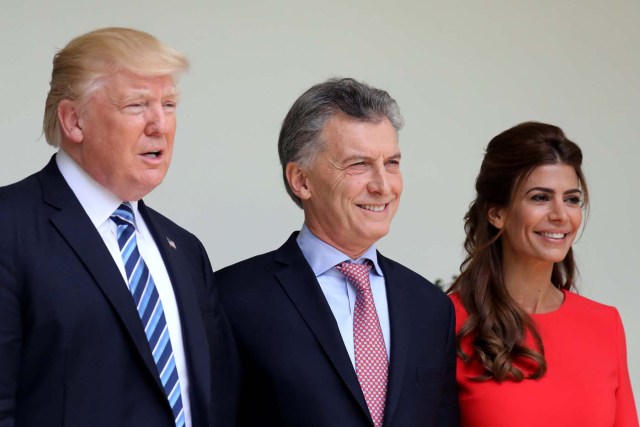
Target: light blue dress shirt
<point>340,294</point>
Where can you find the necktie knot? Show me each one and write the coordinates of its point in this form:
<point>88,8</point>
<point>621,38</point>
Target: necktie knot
<point>357,274</point>
<point>124,215</point>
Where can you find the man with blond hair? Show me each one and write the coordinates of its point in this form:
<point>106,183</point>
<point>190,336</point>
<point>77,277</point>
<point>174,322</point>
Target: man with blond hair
<point>108,313</point>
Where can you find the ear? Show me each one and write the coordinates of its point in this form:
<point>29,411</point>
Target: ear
<point>70,121</point>
<point>497,216</point>
<point>297,178</point>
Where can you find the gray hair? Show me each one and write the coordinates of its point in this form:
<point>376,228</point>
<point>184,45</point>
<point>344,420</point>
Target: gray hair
<point>300,141</point>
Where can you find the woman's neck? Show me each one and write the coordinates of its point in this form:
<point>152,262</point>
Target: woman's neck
<point>529,284</point>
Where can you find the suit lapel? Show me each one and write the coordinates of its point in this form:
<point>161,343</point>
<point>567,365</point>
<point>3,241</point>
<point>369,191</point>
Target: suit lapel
<point>300,283</point>
<point>397,300</point>
<point>193,333</point>
<point>76,229</point>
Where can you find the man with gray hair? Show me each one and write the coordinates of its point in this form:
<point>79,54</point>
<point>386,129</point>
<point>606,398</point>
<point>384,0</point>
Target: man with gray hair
<point>108,313</point>
<point>329,331</point>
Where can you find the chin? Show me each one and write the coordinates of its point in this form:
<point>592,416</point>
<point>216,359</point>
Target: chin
<point>555,259</point>
<point>139,192</point>
<point>375,235</point>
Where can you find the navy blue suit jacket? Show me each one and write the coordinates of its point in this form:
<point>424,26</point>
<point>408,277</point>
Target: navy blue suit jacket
<point>72,347</point>
<point>295,367</point>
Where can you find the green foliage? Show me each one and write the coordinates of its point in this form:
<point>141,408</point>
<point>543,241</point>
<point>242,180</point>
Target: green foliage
<point>445,285</point>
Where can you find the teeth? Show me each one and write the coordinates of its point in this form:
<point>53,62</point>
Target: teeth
<point>375,208</point>
<point>552,235</point>
<point>152,155</point>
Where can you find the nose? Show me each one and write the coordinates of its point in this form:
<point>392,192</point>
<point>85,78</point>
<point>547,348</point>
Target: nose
<point>156,121</point>
<point>558,210</point>
<point>379,181</point>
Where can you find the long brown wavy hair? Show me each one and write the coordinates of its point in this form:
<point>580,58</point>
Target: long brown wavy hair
<point>496,325</point>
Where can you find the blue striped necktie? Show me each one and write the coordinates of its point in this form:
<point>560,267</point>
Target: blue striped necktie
<point>145,296</point>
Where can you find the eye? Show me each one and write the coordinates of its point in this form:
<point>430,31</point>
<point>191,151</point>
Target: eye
<point>574,200</point>
<point>540,197</point>
<point>356,167</point>
<point>134,107</point>
<point>169,105</point>
<point>393,165</point>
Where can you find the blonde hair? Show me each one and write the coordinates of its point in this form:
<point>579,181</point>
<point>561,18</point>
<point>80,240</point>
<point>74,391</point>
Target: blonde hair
<point>81,65</point>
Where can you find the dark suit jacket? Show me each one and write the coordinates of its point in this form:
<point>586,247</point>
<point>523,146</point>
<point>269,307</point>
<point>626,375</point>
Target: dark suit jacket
<point>296,370</point>
<point>72,347</point>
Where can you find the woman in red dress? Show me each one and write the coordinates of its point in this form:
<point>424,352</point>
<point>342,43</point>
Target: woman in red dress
<point>532,353</point>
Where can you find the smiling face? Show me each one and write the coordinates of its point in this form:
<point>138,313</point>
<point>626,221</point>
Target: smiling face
<point>352,191</point>
<point>544,218</point>
<point>123,135</point>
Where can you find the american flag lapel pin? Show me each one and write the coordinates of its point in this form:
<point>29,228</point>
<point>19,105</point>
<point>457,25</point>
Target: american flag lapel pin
<point>171,243</point>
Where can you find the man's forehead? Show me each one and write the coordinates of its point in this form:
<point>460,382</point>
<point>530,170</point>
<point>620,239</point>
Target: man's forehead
<point>127,83</point>
<point>380,143</point>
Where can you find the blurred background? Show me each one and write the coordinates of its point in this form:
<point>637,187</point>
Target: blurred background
<point>462,71</point>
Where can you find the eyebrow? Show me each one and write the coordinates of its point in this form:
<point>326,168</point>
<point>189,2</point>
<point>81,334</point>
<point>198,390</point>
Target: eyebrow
<point>143,92</point>
<point>395,156</point>
<point>174,93</point>
<point>551,190</point>
<point>141,95</point>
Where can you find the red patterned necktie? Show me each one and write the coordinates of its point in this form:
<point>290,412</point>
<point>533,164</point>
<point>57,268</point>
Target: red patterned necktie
<point>371,357</point>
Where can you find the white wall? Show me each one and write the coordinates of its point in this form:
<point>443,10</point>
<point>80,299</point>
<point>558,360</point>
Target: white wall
<point>461,72</point>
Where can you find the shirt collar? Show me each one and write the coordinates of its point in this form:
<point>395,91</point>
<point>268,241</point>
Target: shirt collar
<point>98,202</point>
<point>323,257</point>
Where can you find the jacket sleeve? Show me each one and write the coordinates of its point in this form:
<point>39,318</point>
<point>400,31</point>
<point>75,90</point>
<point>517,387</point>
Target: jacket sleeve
<point>449,412</point>
<point>10,337</point>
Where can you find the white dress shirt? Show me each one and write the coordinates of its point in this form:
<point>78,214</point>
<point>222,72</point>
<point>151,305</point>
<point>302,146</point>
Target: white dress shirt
<point>339,292</point>
<point>99,204</point>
